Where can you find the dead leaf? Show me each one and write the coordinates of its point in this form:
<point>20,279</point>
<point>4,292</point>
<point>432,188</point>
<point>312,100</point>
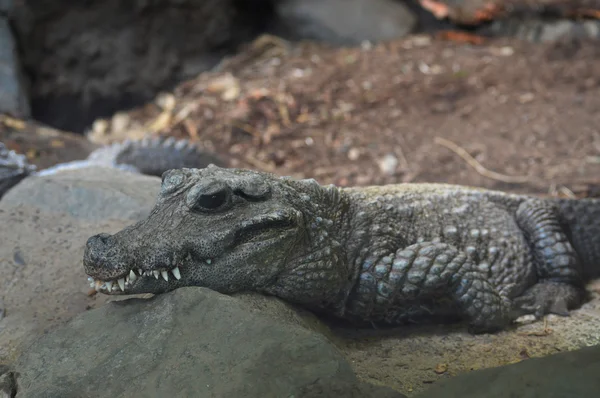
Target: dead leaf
<point>161,122</point>
<point>57,144</point>
<point>441,368</point>
<point>14,123</point>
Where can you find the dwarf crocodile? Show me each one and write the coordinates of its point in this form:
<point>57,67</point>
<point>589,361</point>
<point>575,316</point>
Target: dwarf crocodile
<point>386,254</point>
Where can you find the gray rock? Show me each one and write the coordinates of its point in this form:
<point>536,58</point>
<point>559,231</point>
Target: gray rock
<point>6,7</point>
<point>95,194</point>
<point>566,375</point>
<point>345,22</point>
<point>187,343</point>
<point>45,224</point>
<point>91,60</point>
<point>14,98</point>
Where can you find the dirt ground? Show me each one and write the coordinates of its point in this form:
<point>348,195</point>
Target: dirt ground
<point>504,114</point>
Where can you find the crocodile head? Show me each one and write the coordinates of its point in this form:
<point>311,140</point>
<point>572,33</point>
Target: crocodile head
<point>13,168</point>
<point>229,230</point>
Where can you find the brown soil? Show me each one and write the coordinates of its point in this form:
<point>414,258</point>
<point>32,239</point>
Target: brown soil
<point>396,112</point>
<point>392,112</point>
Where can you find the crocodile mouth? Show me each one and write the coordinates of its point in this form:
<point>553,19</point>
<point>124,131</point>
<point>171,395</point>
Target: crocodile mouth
<point>135,278</point>
<point>124,283</point>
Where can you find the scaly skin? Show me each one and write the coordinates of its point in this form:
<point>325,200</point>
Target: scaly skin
<point>389,254</point>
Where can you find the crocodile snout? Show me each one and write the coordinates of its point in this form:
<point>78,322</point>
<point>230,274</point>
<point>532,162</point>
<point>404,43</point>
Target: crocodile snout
<point>103,257</point>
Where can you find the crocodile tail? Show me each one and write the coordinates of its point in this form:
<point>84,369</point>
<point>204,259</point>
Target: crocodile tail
<point>154,156</point>
<point>581,220</point>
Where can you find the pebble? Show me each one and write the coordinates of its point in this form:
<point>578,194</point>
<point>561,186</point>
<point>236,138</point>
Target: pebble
<point>388,164</point>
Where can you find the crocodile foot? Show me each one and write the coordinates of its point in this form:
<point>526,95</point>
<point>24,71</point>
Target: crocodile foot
<point>548,298</point>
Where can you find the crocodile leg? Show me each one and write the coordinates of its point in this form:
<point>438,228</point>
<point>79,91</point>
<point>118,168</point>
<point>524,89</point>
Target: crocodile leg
<point>559,286</point>
<point>424,273</point>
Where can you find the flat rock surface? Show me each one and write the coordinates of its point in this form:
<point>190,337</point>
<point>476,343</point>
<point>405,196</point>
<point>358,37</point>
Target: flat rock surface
<point>411,359</point>
<point>565,375</point>
<point>45,286</point>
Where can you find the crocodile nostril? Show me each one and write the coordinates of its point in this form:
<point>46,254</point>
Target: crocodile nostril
<point>97,249</point>
<point>101,240</point>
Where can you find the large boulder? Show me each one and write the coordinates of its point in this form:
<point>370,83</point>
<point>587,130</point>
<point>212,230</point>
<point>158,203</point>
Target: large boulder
<point>45,224</point>
<point>14,98</point>
<point>89,59</point>
<point>345,22</point>
<point>192,342</point>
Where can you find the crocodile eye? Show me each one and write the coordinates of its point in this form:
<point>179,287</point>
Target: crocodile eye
<point>207,196</point>
<point>212,201</point>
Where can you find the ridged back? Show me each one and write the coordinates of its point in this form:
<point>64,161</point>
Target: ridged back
<point>154,156</point>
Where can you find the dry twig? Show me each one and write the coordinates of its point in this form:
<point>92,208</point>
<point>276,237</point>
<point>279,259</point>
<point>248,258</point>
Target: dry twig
<point>471,161</point>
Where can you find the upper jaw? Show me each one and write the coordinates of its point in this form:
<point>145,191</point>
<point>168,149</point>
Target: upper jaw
<point>129,282</point>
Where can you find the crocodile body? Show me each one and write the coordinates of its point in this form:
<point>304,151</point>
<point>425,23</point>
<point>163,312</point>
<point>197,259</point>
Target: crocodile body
<point>151,156</point>
<point>387,254</point>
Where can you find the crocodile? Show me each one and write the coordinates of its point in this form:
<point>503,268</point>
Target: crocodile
<point>380,255</point>
<point>149,155</point>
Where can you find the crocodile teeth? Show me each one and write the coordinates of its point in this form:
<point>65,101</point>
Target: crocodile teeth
<point>165,275</point>
<point>176,273</point>
<point>108,286</point>
<point>155,273</point>
<point>208,261</point>
<point>121,283</point>
<point>140,271</point>
<point>132,276</point>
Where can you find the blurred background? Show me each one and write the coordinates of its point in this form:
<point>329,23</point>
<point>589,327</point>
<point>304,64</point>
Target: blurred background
<point>501,94</point>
